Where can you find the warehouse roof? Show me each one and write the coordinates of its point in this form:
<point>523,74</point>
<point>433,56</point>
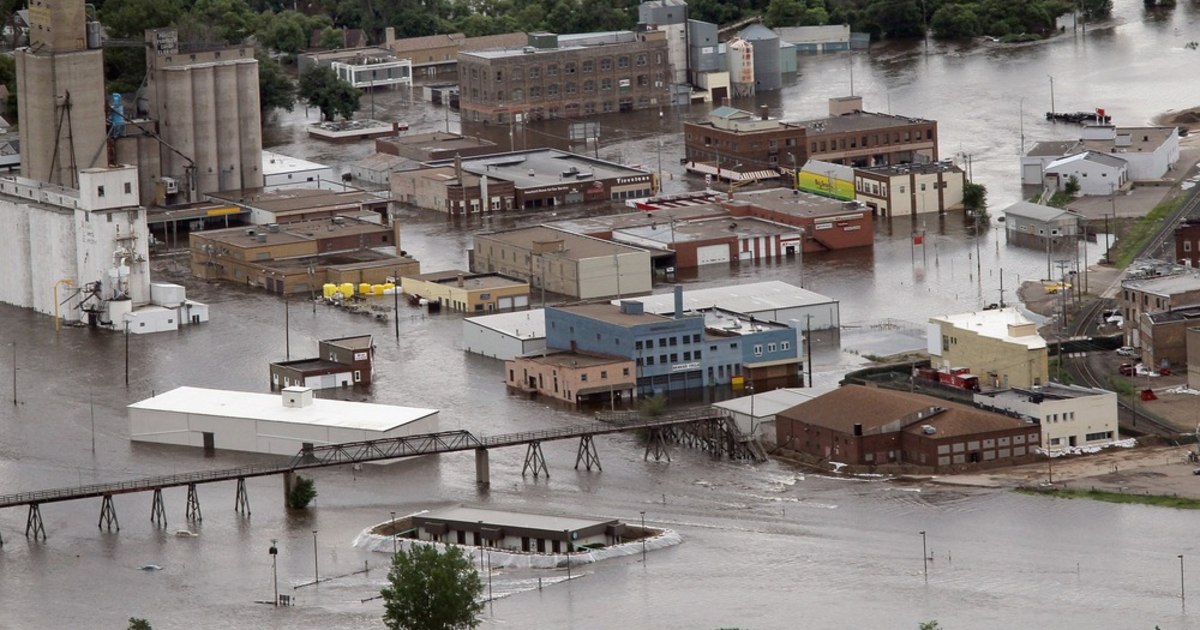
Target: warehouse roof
<point>741,298</point>
<point>574,246</point>
<point>523,520</point>
<point>252,406</point>
<point>529,324</point>
<point>537,168</point>
<point>1005,324</point>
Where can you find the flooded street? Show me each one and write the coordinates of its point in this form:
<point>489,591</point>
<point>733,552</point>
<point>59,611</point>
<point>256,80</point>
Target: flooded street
<point>765,546</point>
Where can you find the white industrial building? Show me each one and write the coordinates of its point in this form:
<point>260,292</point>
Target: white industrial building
<point>1071,416</point>
<point>514,531</point>
<point>1096,173</point>
<point>284,171</point>
<point>268,423</point>
<point>1149,153</point>
<point>505,335</point>
<point>755,413</point>
<point>773,301</point>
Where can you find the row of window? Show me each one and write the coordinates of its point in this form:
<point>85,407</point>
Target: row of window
<point>665,359</point>
<point>854,142</point>
<point>603,375</point>
<point>589,87</point>
<point>606,64</point>
<point>1066,416</point>
<point>664,342</point>
<point>771,347</point>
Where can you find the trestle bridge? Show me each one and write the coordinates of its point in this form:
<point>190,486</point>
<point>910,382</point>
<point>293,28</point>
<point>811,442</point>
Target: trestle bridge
<point>706,429</point>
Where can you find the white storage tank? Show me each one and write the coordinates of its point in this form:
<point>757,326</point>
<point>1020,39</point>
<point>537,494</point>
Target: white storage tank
<point>740,55</point>
<point>767,74</point>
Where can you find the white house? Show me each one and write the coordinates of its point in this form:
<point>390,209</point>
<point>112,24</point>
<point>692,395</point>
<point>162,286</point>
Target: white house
<point>284,171</point>
<point>1149,153</point>
<point>1070,416</point>
<point>1097,173</point>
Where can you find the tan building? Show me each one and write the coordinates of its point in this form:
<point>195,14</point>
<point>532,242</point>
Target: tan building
<point>299,257</point>
<point>60,76</point>
<point>566,76</point>
<point>451,190</point>
<point>307,204</point>
<point>999,346</point>
<point>562,262</point>
<point>437,145</point>
<point>910,189</point>
<point>469,292</point>
<point>574,377</point>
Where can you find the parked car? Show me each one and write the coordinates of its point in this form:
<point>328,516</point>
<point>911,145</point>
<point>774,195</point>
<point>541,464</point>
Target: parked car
<point>1126,369</point>
<point>1126,351</point>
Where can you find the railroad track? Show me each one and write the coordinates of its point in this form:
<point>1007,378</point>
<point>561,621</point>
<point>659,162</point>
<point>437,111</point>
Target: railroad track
<point>1081,369</point>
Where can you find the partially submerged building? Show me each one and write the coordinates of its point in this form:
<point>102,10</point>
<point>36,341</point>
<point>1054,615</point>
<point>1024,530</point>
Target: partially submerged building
<point>340,362</point>
<point>1070,416</point>
<point>505,335</point>
<point>1000,346</point>
<point>467,292</point>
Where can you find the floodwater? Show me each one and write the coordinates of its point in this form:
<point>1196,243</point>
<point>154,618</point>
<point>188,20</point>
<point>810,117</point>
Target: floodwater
<point>764,546</point>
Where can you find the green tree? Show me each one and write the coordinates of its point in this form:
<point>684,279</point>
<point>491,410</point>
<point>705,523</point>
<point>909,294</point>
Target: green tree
<point>232,20</point>
<point>930,625</point>
<point>432,590</point>
<point>275,89</point>
<point>129,19</point>
<point>288,31</point>
<point>899,19</point>
<point>322,88</point>
<point>331,39</point>
<point>783,13</point>
<point>1072,186</point>
<point>8,77</point>
<point>956,21</point>
<point>974,197</point>
<point>139,624</point>
<point>302,493</point>
<point>654,406</point>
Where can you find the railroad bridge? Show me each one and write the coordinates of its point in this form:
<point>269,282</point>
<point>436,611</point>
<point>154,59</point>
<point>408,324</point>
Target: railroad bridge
<point>706,429</point>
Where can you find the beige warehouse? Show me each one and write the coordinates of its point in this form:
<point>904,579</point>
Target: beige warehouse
<point>999,346</point>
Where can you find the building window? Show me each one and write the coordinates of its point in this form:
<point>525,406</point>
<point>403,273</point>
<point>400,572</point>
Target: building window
<point>662,358</point>
<point>649,360</point>
<point>535,91</point>
<point>99,191</point>
<point>589,66</point>
<point>589,87</point>
<point>649,343</point>
<point>771,347</point>
<point>637,345</point>
<point>672,341</point>
<point>641,60</point>
<point>128,188</point>
<point>583,377</point>
<point>758,350</point>
<point>518,94</point>
<point>674,358</point>
<point>605,84</point>
<point>687,356</point>
<point>569,67</point>
<point>622,62</point>
<point>499,75</point>
<point>606,64</point>
<point>552,70</point>
<point>570,88</point>
<point>697,355</point>
<point>517,73</point>
<point>535,72</point>
<point>785,345</point>
<point>624,371</point>
<point>552,90</point>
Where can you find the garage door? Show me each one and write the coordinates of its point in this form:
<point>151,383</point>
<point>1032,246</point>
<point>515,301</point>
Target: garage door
<point>1032,174</point>
<point>710,254</point>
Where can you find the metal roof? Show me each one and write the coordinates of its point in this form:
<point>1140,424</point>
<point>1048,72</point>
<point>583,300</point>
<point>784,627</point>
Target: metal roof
<point>770,403</point>
<point>1037,211</point>
<point>741,298</point>
<point>529,324</point>
<point>521,520</point>
<point>994,324</point>
<point>251,406</point>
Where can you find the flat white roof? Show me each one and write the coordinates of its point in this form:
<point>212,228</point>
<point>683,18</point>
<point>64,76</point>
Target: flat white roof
<point>529,324</point>
<point>741,298</point>
<point>251,406</point>
<point>276,163</point>
<point>501,518</point>
<point>772,402</point>
<point>994,324</point>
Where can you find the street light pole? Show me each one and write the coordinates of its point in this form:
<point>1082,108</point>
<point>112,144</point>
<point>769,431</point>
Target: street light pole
<point>567,550</point>
<point>924,556</point>
<point>274,569</point>
<point>396,303</point>
<point>316,573</point>
<point>643,514</point>
<point>393,535</point>
<point>1182,600</point>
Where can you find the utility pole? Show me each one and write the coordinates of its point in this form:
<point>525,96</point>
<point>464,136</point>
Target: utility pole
<point>1051,93</point>
<point>287,328</point>
<point>1062,321</point>
<point>14,362</point>
<point>396,303</point>
<point>808,346</point>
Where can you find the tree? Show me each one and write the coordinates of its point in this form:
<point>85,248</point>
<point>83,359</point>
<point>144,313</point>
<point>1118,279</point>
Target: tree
<point>654,406</point>
<point>233,20</point>
<point>974,197</point>
<point>783,13</point>
<point>1072,186</point>
<point>323,89</point>
<point>288,31</point>
<point>129,19</point>
<point>331,39</point>
<point>8,77</point>
<point>956,21</point>
<point>930,625</point>
<point>302,493</point>
<point>139,624</point>
<point>275,89</point>
<point>899,19</point>
<point>430,589</point>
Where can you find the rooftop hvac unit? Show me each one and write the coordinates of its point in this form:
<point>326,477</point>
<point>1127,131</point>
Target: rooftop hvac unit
<point>262,238</point>
<point>170,186</point>
<point>273,227</point>
<point>928,429</point>
<point>339,220</point>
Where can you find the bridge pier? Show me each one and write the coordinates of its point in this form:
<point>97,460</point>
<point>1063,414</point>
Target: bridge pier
<point>483,473</point>
<point>108,514</point>
<point>289,482</point>
<point>193,504</point>
<point>34,522</point>
<point>158,513</point>
<point>587,453</point>
<point>535,461</point>
<point>242,501</point>
<point>656,444</point>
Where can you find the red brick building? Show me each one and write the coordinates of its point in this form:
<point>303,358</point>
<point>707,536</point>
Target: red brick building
<point>1187,242</point>
<point>868,426</point>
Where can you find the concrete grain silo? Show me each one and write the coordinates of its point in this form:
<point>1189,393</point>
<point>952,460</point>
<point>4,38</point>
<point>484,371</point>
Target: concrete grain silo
<point>740,54</point>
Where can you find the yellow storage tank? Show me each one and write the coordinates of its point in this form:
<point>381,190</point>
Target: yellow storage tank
<point>347,289</point>
<point>738,382</point>
<point>377,289</point>
<point>388,286</point>
<point>329,289</point>
<point>364,288</point>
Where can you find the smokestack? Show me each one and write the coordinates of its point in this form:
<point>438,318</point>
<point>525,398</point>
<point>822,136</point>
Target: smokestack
<point>764,112</point>
<point>460,280</point>
<point>678,301</point>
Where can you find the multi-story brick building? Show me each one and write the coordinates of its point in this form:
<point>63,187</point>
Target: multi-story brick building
<point>1187,242</point>
<point>566,76</point>
<point>739,142</point>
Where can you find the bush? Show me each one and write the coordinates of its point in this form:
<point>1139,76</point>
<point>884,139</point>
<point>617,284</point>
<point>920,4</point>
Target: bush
<point>654,406</point>
<point>303,492</point>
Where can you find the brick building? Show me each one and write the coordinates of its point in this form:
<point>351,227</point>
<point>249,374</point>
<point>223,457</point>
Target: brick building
<point>339,363</point>
<point>566,76</point>
<point>910,189</point>
<point>1173,289</point>
<point>868,426</point>
<point>573,377</point>
<point>741,142</point>
<point>1187,242</point>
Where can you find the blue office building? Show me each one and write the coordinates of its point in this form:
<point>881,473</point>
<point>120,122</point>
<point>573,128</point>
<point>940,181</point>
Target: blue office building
<point>685,351</point>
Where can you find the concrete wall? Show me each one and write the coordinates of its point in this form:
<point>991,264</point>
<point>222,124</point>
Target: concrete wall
<point>49,152</point>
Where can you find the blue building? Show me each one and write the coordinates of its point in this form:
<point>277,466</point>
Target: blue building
<point>684,351</point>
